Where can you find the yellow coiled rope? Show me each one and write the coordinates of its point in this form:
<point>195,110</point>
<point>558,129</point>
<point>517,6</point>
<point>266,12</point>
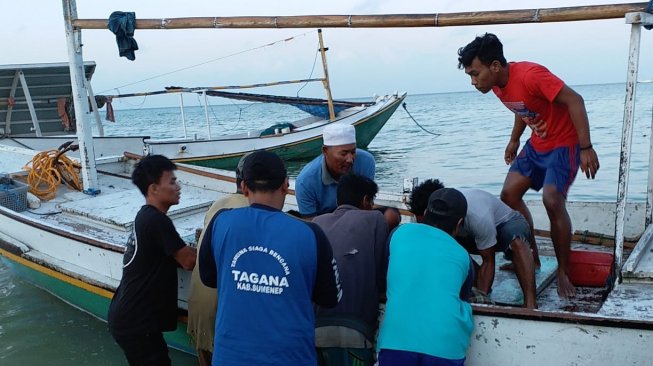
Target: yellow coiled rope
<point>49,169</point>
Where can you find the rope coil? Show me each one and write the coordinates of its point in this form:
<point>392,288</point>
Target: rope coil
<point>51,168</point>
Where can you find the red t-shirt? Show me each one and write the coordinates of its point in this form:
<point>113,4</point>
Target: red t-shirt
<point>530,93</point>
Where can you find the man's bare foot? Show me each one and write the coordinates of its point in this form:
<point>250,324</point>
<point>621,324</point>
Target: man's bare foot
<point>565,288</point>
<point>511,266</point>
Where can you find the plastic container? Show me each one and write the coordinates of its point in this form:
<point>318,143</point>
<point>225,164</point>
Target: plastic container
<point>14,195</point>
<point>590,269</point>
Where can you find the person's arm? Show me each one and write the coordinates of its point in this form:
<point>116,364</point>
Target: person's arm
<point>485,276</point>
<point>327,291</point>
<point>466,289</point>
<point>173,245</point>
<point>381,254</point>
<point>511,149</point>
<point>207,266</point>
<point>589,161</point>
<point>186,257</point>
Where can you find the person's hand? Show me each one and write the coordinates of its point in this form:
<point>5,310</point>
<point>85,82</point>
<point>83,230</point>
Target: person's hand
<point>511,152</point>
<point>589,162</point>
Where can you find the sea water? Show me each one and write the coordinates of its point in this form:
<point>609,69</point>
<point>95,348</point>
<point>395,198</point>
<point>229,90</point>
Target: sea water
<point>36,328</point>
<point>473,132</point>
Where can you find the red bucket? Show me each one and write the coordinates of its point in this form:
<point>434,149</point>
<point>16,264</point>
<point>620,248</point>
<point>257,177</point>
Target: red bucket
<point>589,268</point>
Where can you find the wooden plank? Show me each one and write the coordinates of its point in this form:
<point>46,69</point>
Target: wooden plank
<point>544,15</point>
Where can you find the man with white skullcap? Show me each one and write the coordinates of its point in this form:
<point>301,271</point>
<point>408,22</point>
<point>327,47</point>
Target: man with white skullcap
<point>315,187</point>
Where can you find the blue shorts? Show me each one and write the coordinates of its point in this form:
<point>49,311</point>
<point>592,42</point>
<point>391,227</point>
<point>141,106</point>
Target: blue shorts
<point>556,167</point>
<point>390,357</point>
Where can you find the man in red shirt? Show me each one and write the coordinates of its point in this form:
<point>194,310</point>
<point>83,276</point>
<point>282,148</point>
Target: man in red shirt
<point>559,142</point>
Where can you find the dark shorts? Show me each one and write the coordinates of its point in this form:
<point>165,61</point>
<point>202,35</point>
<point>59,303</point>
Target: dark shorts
<point>556,167</point>
<point>515,228</point>
<point>390,357</point>
<point>144,349</point>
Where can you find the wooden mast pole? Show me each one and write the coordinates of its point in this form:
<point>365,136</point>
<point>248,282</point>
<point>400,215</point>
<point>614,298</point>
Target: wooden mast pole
<point>80,98</point>
<point>325,81</point>
<point>544,15</point>
<point>636,20</point>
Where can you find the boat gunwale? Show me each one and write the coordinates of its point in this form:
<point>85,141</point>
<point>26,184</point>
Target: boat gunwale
<point>561,317</point>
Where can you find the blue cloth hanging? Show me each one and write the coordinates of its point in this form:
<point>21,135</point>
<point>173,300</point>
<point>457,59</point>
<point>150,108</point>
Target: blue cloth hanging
<point>122,24</point>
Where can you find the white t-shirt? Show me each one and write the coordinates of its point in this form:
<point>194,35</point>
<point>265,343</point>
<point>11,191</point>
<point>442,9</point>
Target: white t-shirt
<point>484,213</point>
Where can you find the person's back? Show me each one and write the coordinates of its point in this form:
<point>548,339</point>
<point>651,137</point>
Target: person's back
<point>268,267</point>
<point>265,285</point>
<point>426,320</point>
<point>358,238</point>
<point>424,312</point>
<point>485,209</point>
<point>202,300</point>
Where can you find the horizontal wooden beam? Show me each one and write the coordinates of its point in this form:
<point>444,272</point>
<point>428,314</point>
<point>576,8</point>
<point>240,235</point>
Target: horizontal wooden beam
<point>544,15</point>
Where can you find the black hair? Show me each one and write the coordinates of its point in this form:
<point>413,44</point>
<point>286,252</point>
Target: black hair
<point>265,186</point>
<point>487,48</point>
<point>447,224</point>
<point>149,171</point>
<point>352,188</point>
<point>419,196</point>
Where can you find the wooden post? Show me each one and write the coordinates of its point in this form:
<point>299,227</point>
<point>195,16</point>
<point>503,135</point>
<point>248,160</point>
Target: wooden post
<point>96,113</point>
<point>30,104</point>
<point>183,116</point>
<point>80,98</point>
<point>206,113</point>
<point>10,107</point>
<point>626,142</point>
<point>325,82</point>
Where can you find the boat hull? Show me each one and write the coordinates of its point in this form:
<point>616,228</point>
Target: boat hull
<point>91,299</point>
<point>305,143</point>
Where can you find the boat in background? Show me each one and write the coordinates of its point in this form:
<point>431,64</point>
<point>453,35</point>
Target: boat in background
<point>295,140</point>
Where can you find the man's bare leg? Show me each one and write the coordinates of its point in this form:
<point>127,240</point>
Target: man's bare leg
<point>514,188</point>
<point>525,271</point>
<point>554,202</point>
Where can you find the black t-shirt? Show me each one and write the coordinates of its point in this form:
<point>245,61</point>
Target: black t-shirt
<point>146,299</point>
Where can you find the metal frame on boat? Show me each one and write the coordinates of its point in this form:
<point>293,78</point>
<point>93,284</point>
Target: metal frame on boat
<point>619,333</point>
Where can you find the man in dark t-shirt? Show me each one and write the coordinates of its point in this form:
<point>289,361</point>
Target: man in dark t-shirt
<point>268,268</point>
<point>145,303</point>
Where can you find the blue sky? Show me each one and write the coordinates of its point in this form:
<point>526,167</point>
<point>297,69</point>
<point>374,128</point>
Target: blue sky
<point>361,62</point>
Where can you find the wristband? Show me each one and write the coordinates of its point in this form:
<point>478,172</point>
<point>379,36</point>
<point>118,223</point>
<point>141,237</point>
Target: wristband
<point>586,147</point>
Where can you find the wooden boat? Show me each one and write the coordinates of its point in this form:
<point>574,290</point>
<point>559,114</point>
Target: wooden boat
<point>298,140</point>
<point>72,246</point>
<point>33,119</point>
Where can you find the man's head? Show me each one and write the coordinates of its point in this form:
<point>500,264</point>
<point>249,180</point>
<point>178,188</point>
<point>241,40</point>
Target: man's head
<point>356,190</point>
<point>483,61</point>
<point>339,148</point>
<point>263,171</point>
<point>155,178</point>
<point>446,210</point>
<point>419,197</point>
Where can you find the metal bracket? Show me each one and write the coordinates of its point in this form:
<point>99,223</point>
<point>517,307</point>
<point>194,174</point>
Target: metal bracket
<point>645,19</point>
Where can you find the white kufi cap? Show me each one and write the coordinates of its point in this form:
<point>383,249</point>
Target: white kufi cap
<point>336,134</point>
